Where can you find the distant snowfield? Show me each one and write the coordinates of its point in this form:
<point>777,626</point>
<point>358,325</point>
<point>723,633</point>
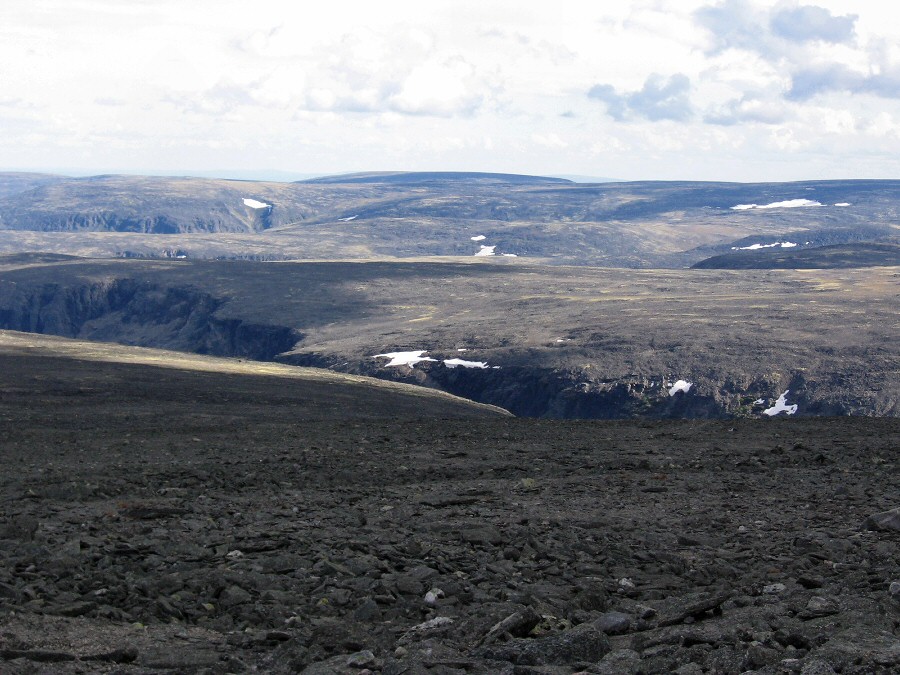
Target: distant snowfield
<point>843,204</point>
<point>479,237</point>
<point>681,385</point>
<point>453,363</point>
<point>789,204</point>
<point>781,406</point>
<point>755,247</point>
<point>486,250</point>
<point>405,358</point>
<point>348,219</point>
<point>254,204</point>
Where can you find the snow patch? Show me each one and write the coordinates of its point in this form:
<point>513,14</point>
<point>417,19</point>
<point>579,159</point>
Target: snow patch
<point>478,237</point>
<point>681,385</point>
<point>781,406</point>
<point>510,255</point>
<point>405,358</point>
<point>843,204</point>
<point>348,218</point>
<point>789,204</point>
<point>756,247</point>
<point>453,363</point>
<point>254,204</point>
<point>486,250</point>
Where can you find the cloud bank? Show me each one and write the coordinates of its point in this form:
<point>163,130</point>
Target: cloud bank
<point>704,89</point>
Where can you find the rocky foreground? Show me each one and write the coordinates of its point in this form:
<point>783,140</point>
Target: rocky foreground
<point>205,532</point>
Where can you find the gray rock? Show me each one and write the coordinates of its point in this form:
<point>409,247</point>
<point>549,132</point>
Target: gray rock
<point>362,659</point>
<point>688,669</point>
<point>691,605</point>
<point>233,596</point>
<point>816,667</point>
<point>819,606</point>
<point>614,623</point>
<point>336,665</point>
<point>409,585</point>
<point>481,534</point>
<point>760,656</point>
<point>584,643</point>
<point>619,662</point>
<point>367,611</point>
<point>886,520</point>
<point>517,624</point>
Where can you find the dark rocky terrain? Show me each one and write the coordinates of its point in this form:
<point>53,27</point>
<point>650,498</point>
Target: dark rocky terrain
<point>404,215</point>
<point>220,520</point>
<point>568,342</point>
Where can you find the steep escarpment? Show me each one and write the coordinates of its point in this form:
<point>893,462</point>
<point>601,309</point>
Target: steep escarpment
<point>541,390</point>
<point>141,313</point>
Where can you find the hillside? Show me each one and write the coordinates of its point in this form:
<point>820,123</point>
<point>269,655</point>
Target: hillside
<point>410,215</point>
<point>89,374</point>
<point>822,257</point>
<point>569,342</point>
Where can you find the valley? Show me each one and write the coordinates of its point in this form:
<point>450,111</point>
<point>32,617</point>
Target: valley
<point>558,341</point>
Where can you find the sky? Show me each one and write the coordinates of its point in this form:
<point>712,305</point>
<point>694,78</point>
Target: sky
<point>737,90</point>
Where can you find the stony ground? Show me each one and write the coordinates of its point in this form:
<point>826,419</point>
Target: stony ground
<point>204,532</point>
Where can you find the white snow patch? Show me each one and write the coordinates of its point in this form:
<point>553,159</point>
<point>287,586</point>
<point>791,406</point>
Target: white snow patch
<point>462,350</point>
<point>789,204</point>
<point>486,250</point>
<point>758,401</point>
<point>453,363</point>
<point>781,406</point>
<point>756,247</point>
<point>478,237</point>
<point>254,204</point>
<point>843,204</point>
<point>681,385</point>
<point>510,255</point>
<point>405,358</point>
<point>348,218</point>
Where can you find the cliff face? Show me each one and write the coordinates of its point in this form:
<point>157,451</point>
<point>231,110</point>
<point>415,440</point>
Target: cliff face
<point>138,313</point>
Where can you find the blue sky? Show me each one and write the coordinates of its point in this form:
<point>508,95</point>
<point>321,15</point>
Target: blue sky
<point>706,90</point>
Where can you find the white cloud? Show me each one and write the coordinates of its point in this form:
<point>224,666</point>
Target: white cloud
<point>691,89</point>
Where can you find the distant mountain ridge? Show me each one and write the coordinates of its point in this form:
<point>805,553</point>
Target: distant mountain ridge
<point>416,177</point>
<point>432,214</point>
